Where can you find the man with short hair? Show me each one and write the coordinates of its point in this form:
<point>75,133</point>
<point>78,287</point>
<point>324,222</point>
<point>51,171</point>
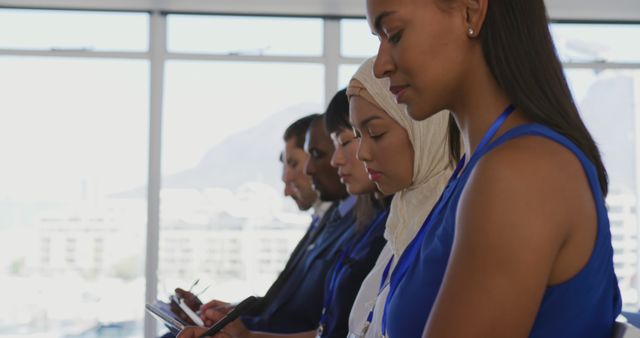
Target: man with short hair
<point>294,301</point>
<point>297,183</point>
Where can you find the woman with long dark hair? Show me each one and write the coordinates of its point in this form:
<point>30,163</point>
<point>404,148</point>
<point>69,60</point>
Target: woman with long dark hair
<point>519,243</point>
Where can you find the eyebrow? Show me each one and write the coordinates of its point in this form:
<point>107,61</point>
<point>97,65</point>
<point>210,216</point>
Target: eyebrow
<point>378,21</point>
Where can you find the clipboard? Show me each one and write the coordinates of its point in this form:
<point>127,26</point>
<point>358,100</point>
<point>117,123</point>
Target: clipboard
<point>163,312</point>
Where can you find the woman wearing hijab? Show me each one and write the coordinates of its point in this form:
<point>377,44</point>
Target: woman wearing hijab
<point>410,159</point>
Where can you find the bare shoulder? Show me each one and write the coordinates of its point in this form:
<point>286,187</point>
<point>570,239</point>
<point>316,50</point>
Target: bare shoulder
<point>529,186</point>
<point>530,167</point>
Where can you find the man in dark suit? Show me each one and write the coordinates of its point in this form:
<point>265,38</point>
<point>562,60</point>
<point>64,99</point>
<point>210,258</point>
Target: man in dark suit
<point>294,301</point>
<point>297,305</point>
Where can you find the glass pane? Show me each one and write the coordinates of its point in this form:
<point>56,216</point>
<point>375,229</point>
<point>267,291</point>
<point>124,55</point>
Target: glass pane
<point>234,35</point>
<point>224,219</point>
<point>79,30</point>
<point>608,102</point>
<point>356,39</point>
<point>345,73</point>
<point>73,139</point>
<point>597,42</point>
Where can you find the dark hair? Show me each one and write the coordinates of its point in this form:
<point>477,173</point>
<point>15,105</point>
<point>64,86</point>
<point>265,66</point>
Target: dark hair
<point>298,129</point>
<point>337,116</point>
<point>455,146</point>
<point>367,208</point>
<point>532,75</point>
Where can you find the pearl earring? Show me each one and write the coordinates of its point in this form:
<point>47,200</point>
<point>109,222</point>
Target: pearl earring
<point>471,32</point>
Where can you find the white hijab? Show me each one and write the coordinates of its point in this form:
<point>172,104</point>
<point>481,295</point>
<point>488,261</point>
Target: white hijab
<point>432,167</point>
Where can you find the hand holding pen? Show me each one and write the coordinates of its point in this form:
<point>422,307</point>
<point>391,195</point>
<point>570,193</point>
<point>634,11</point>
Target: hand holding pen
<point>232,326</point>
<point>185,298</point>
<point>189,297</point>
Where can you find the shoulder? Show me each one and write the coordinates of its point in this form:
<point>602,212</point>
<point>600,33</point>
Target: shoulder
<point>524,187</point>
<point>530,168</point>
<point>534,159</point>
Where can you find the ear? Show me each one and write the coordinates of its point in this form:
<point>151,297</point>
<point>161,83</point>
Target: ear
<point>475,13</point>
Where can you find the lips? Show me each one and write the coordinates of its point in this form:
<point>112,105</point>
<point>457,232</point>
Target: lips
<point>398,91</point>
<point>374,175</point>
<point>344,178</point>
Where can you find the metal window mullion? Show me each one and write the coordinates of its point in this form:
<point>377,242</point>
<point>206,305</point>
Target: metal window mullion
<point>601,65</point>
<point>245,58</point>
<point>332,57</point>
<point>74,54</point>
<point>157,48</point>
<point>352,60</point>
<point>636,137</point>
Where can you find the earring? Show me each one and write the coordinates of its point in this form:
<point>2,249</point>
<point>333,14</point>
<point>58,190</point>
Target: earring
<point>471,31</point>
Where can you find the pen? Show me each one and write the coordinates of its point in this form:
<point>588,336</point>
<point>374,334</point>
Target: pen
<point>194,284</point>
<point>203,290</point>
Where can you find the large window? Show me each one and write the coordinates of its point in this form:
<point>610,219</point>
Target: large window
<point>72,208</point>
<point>74,143</point>
<point>76,129</point>
<point>79,31</point>
<point>224,219</point>
<point>608,102</point>
<point>234,35</point>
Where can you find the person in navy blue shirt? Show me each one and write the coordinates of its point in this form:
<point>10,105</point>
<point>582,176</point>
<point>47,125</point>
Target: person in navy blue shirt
<point>519,243</point>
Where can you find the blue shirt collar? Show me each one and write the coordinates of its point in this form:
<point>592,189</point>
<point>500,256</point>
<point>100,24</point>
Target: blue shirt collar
<point>346,205</point>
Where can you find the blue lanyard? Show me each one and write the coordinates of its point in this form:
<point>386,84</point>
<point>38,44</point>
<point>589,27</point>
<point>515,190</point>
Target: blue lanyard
<point>411,252</point>
<point>329,295</point>
<point>383,285</point>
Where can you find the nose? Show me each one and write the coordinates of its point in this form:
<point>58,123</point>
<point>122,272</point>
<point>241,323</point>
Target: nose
<point>364,151</point>
<point>309,167</point>
<point>337,159</point>
<point>383,65</point>
<point>288,190</point>
<point>287,175</point>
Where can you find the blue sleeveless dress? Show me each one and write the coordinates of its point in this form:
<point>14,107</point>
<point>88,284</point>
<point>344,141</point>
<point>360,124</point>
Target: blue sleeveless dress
<point>584,306</point>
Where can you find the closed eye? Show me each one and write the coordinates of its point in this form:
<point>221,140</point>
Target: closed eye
<point>395,38</point>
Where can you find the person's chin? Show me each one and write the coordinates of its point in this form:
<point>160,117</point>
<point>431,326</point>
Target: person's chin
<point>354,190</point>
<point>415,113</point>
<point>303,206</point>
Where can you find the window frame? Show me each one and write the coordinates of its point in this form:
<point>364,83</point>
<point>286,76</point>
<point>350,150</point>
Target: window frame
<point>157,55</point>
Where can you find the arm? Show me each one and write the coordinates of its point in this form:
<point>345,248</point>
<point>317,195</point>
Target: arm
<point>512,225</point>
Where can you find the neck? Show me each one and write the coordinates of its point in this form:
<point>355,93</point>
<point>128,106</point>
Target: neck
<point>481,104</point>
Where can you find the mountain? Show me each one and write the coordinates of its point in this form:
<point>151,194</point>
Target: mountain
<point>249,155</point>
